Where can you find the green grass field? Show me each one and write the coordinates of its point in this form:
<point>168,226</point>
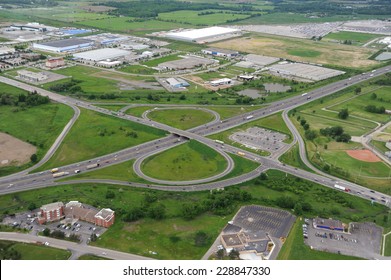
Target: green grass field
<point>91,258</point>
<point>181,118</point>
<point>295,249</point>
<point>100,134</point>
<point>193,17</point>
<point>387,249</point>
<point>157,61</point>
<point>138,111</point>
<point>189,161</point>
<point>35,252</point>
<point>304,53</point>
<point>141,236</point>
<point>355,37</point>
<point>226,112</point>
<point>292,157</point>
<point>381,146</point>
<point>137,69</point>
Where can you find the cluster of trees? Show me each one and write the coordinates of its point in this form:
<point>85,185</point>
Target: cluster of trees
<point>151,8</point>
<point>150,208</point>
<point>374,109</point>
<point>31,99</point>
<point>7,252</point>
<point>335,132</point>
<point>343,114</point>
<point>67,87</point>
<point>309,133</point>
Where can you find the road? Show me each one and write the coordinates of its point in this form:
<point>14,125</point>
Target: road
<point>76,248</point>
<point>41,180</point>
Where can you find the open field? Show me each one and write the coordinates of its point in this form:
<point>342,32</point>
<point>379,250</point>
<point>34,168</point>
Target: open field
<point>295,249</point>
<point>292,157</point>
<point>193,17</point>
<point>189,161</point>
<point>138,111</point>
<point>101,134</point>
<point>381,146</point>
<point>137,69</point>
<point>302,50</point>
<point>126,24</point>
<point>29,251</point>
<point>157,61</point>
<point>14,151</point>
<point>355,37</point>
<point>181,118</point>
<point>133,237</point>
<point>228,112</point>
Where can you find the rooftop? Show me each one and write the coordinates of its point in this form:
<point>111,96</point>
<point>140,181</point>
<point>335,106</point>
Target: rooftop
<point>105,214</point>
<point>203,32</point>
<point>66,43</point>
<point>102,54</point>
<point>52,206</point>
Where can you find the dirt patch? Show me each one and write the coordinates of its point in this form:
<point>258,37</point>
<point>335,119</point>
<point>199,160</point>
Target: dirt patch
<point>363,155</point>
<point>98,9</point>
<point>14,151</point>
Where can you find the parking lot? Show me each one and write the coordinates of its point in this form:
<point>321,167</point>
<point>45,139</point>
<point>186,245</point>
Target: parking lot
<point>363,239</point>
<point>28,221</point>
<point>260,139</point>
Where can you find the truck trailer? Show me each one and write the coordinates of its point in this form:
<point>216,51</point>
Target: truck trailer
<point>60,174</point>
<point>92,165</point>
<point>341,188</point>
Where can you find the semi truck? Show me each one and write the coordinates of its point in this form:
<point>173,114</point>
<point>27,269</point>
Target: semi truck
<point>341,188</point>
<point>92,165</point>
<point>54,170</point>
<point>241,154</point>
<point>249,117</point>
<point>60,174</point>
<point>218,141</point>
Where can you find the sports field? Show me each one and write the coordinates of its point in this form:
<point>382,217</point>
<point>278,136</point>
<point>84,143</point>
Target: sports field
<point>302,50</point>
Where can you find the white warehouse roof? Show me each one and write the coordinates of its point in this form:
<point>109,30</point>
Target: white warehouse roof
<point>101,54</point>
<point>197,34</point>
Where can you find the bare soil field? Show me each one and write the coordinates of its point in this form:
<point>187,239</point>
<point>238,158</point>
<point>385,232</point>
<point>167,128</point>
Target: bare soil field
<point>14,151</point>
<point>302,50</point>
<point>363,155</point>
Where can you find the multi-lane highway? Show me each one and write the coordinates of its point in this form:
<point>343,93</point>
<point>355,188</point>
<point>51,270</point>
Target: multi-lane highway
<point>44,179</point>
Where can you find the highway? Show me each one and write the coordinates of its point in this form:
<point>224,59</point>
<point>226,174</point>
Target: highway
<point>44,179</point>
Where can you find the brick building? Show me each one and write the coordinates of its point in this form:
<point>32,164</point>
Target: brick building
<point>51,212</point>
<point>55,62</point>
<point>105,218</point>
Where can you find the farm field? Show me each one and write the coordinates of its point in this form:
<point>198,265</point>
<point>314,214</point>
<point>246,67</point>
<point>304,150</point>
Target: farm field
<point>101,134</point>
<point>189,161</point>
<point>303,50</point>
<point>193,17</point>
<point>356,37</point>
<point>181,118</point>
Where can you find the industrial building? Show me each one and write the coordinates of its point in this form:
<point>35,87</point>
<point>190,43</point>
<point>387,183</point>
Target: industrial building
<point>220,52</point>
<point>55,62</point>
<point>32,26</point>
<point>221,82</point>
<point>31,76</point>
<point>102,54</point>
<point>177,82</point>
<point>203,35</point>
<point>260,60</point>
<point>65,45</point>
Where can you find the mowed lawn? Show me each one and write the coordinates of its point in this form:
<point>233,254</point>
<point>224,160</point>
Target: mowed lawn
<point>138,111</point>
<point>189,161</point>
<point>226,112</point>
<point>181,118</point>
<point>157,61</point>
<point>193,17</point>
<point>95,134</point>
<point>294,248</point>
<point>355,37</point>
<point>302,50</point>
<point>387,249</point>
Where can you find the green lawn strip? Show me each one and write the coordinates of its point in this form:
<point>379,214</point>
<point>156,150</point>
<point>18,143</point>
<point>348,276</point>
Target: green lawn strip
<point>189,161</point>
<point>138,69</point>
<point>146,235</point>
<point>27,251</point>
<point>381,146</point>
<point>138,111</point>
<point>211,75</point>
<point>355,37</point>
<point>122,171</point>
<point>387,249</point>
<point>92,258</point>
<point>292,157</point>
<point>181,118</point>
<point>112,107</point>
<point>226,112</point>
<point>183,46</point>
<point>295,249</point>
<point>155,62</point>
<point>95,134</point>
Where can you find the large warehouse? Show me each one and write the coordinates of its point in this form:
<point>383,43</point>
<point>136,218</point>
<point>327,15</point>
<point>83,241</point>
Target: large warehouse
<point>66,45</point>
<point>101,54</point>
<point>203,34</point>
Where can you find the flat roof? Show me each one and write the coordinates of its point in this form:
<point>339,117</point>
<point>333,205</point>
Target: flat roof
<point>220,50</point>
<point>202,33</point>
<point>102,54</point>
<point>52,206</point>
<point>66,43</point>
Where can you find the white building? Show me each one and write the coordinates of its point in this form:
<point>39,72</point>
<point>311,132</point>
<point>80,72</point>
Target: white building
<point>202,34</point>
<point>102,54</point>
<point>65,45</point>
<point>220,82</point>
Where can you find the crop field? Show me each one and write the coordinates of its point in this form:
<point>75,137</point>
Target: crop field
<point>181,118</point>
<point>355,37</point>
<point>127,24</point>
<point>189,161</point>
<point>302,50</point>
<point>101,134</point>
<point>295,249</point>
<point>194,17</point>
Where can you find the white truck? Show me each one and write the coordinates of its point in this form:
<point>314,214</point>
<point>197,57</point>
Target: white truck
<point>249,117</point>
<point>218,141</point>
<point>341,188</point>
<point>92,165</point>
<point>60,174</point>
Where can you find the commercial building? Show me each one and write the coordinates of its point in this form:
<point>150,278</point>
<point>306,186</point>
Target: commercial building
<point>177,82</point>
<point>55,62</point>
<point>220,52</point>
<point>77,211</point>
<point>32,26</point>
<point>31,76</point>
<point>51,212</point>
<point>107,54</point>
<point>203,35</point>
<point>221,82</point>
<point>6,52</point>
<point>328,224</point>
<point>188,62</point>
<point>104,218</point>
<point>65,45</point>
